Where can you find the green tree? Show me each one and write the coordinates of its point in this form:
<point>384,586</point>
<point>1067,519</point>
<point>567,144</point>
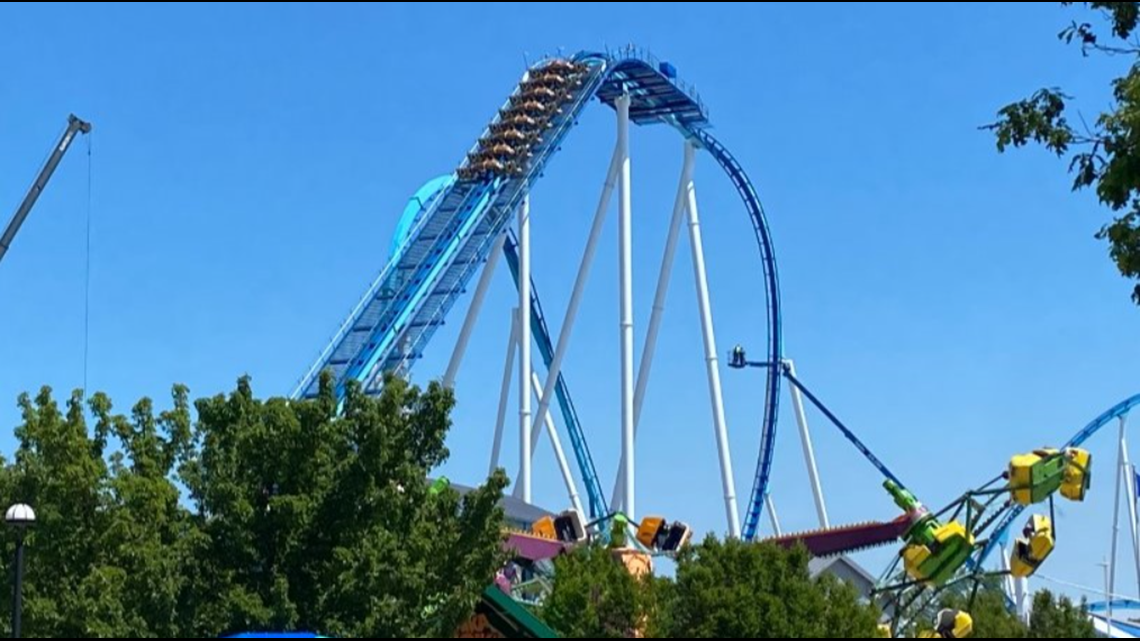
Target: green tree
<point>743,590</point>
<point>1104,153</point>
<point>106,557</point>
<point>325,521</point>
<point>298,516</point>
<point>1052,618</point>
<point>1055,618</point>
<point>992,618</point>
<point>594,596</point>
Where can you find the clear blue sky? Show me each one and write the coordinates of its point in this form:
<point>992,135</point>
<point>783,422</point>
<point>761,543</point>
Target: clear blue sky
<point>250,162</point>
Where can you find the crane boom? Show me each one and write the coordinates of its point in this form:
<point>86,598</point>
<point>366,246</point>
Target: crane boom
<point>75,126</point>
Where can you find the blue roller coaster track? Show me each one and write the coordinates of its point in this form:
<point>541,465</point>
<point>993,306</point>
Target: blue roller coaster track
<point>451,226</point>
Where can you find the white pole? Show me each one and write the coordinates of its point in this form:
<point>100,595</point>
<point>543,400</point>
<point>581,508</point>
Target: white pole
<point>775,518</point>
<point>809,450</point>
<point>657,315</point>
<point>1108,591</point>
<point>560,454</point>
<point>1110,569</point>
<point>563,344</point>
<point>625,261</point>
<point>525,367</point>
<point>1022,590</point>
<point>505,393</point>
<point>712,360</point>
<point>1130,485</point>
<point>1007,580</point>
<point>473,312</point>
<point>1017,589</point>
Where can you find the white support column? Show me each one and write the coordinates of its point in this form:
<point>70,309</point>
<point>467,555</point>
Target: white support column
<point>1110,570</point>
<point>559,453</point>
<point>505,393</point>
<point>1130,485</point>
<point>525,425</point>
<point>1021,588</point>
<point>625,262</point>
<point>473,312</point>
<point>658,314</point>
<point>1016,589</point>
<point>1007,580</point>
<point>712,359</point>
<point>775,518</point>
<point>1108,596</point>
<point>809,450</point>
<point>555,369</point>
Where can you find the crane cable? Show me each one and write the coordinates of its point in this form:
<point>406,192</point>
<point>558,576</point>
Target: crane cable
<point>87,273</point>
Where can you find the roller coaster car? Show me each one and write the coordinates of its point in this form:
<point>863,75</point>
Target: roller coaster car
<point>530,108</point>
<point>563,66</point>
<point>538,118</point>
<point>1078,474</point>
<point>524,124</point>
<point>481,168</point>
<point>508,137</point>
<point>1031,551</point>
<point>951,624</point>
<point>485,162</point>
<point>936,552</point>
<point>660,536</point>
<point>884,632</point>
<point>548,79</point>
<point>1033,478</point>
<point>490,166</point>
<point>501,151</point>
<point>515,120</point>
<point>540,94</point>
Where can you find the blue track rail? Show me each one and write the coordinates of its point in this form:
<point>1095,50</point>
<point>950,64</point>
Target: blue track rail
<point>449,241</point>
<point>1118,411</point>
<point>775,352</point>
<point>409,300</point>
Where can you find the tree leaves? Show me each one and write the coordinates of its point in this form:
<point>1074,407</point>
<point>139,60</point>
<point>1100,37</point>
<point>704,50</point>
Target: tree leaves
<point>1039,119</point>
<point>1106,154</point>
<point>745,590</point>
<point>1054,618</point>
<point>730,590</point>
<point>292,518</point>
<point>992,618</point>
<point>594,596</point>
<point>1051,618</point>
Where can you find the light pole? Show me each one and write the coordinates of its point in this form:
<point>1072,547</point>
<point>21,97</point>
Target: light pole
<point>1107,594</point>
<point>20,518</point>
